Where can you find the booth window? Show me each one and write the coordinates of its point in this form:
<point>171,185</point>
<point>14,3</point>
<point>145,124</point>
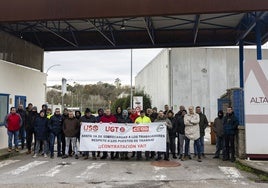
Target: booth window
<point>4,101</point>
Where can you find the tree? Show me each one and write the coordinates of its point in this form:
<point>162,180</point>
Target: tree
<point>117,82</point>
<point>126,101</point>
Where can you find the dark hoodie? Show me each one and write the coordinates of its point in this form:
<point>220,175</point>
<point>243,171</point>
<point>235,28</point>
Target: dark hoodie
<point>124,118</point>
<point>118,114</point>
<point>100,114</point>
<point>218,124</point>
<point>230,124</point>
<point>41,127</point>
<point>77,114</point>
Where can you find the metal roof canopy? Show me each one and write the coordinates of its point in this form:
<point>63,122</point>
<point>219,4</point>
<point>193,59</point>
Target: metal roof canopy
<point>117,24</point>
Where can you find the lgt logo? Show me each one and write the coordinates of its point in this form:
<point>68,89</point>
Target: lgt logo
<point>114,129</point>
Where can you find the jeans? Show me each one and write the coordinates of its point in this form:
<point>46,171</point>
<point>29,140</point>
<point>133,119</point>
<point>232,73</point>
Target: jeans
<point>37,146</point>
<point>10,137</point>
<point>29,138</point>
<point>220,146</point>
<point>22,134</point>
<point>52,137</point>
<point>73,142</point>
<point>187,145</point>
<point>201,146</point>
<point>181,139</point>
<point>172,139</point>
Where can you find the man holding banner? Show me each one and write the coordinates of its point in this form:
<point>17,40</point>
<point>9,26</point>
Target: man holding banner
<point>142,119</point>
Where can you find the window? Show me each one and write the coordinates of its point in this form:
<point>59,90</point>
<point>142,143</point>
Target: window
<point>4,101</point>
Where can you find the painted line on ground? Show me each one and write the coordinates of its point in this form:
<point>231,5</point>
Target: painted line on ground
<point>87,173</point>
<point>26,167</point>
<point>7,162</point>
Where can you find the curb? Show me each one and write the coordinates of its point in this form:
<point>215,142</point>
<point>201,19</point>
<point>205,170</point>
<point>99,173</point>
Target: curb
<point>253,167</point>
<point>5,155</point>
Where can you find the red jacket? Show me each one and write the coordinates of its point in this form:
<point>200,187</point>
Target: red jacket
<point>108,119</point>
<point>13,122</point>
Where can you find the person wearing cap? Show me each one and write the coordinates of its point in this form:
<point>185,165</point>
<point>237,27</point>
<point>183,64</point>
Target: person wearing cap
<point>88,118</point>
<point>13,123</point>
<point>41,133</point>
<point>142,119</point>
<point>124,119</point>
<point>29,127</point>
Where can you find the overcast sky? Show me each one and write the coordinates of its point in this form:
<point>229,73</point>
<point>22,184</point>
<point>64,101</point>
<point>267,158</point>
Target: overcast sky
<point>92,66</point>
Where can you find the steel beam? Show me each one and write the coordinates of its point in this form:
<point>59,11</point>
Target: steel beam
<point>18,10</point>
<point>101,31</point>
<point>150,28</point>
<point>251,26</point>
<point>196,27</point>
<point>58,35</point>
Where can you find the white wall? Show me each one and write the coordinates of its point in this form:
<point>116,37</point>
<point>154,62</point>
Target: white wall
<point>18,80</point>
<point>154,80</point>
<point>189,84</point>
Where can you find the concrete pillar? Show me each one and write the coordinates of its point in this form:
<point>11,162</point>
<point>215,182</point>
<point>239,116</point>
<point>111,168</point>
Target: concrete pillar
<point>241,143</point>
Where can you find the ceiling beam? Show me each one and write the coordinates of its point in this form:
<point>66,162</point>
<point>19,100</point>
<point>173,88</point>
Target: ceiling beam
<point>18,10</point>
<point>58,35</point>
<point>100,29</point>
<point>150,28</point>
<point>196,27</point>
<point>250,26</point>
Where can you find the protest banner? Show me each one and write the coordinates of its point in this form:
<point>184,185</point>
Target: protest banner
<point>123,137</point>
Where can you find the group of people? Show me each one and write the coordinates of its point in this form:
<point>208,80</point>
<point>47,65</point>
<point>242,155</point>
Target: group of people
<point>46,127</point>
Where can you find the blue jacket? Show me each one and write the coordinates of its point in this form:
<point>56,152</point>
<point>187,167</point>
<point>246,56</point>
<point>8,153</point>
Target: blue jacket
<point>55,124</point>
<point>230,124</point>
<point>41,128</point>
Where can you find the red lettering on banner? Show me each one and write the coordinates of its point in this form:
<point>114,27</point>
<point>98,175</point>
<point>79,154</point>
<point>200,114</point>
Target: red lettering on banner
<point>114,129</point>
<point>140,129</point>
<point>91,128</point>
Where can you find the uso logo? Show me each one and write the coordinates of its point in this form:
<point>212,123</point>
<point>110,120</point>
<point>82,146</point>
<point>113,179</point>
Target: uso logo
<point>140,129</point>
<point>89,128</point>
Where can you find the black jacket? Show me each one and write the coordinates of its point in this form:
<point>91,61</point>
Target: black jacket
<point>55,124</point>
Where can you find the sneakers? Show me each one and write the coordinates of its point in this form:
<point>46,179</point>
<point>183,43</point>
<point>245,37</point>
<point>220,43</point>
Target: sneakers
<point>17,149</point>
<point>65,156</point>
<point>216,157</point>
<point>35,155</point>
<point>9,149</point>
<point>45,155</point>
<point>28,152</point>
<point>76,157</point>
<point>199,159</point>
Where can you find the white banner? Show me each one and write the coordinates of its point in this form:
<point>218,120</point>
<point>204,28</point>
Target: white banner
<point>123,137</point>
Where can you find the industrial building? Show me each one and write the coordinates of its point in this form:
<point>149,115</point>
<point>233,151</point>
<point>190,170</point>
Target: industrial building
<point>192,76</point>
